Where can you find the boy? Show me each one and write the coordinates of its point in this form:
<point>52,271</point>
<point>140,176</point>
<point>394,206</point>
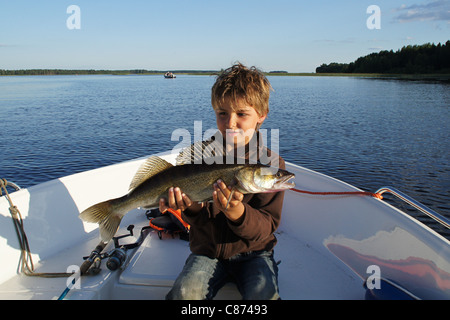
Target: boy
<point>232,239</point>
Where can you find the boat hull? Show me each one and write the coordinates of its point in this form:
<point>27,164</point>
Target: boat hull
<point>328,246</point>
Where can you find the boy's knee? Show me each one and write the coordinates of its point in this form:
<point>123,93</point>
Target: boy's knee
<point>262,296</point>
<point>267,292</point>
<point>188,288</point>
<point>184,293</point>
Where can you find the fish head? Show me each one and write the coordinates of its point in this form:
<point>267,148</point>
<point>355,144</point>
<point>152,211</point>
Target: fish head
<point>262,179</point>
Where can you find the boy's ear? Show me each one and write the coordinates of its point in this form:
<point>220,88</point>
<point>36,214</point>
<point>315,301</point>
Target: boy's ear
<point>261,119</point>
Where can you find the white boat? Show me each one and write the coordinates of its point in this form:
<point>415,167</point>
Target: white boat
<point>329,247</point>
<point>169,75</point>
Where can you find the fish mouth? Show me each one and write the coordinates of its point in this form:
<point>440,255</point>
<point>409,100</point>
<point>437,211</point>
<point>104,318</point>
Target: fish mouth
<point>284,183</point>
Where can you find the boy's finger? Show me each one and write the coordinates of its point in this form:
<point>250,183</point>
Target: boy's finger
<point>163,204</point>
<point>222,187</point>
<point>238,195</point>
<point>186,200</point>
<point>179,199</point>
<point>172,202</point>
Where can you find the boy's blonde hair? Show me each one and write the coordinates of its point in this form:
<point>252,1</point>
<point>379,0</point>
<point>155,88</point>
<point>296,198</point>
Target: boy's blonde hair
<point>240,82</point>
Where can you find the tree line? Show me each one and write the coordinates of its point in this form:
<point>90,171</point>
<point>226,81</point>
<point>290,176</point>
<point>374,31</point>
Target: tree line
<point>413,59</point>
<point>71,72</point>
<point>45,72</point>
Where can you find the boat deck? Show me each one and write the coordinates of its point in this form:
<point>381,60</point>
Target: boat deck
<point>151,269</point>
<point>303,272</point>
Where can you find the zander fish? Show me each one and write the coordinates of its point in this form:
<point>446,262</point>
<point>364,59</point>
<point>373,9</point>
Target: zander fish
<point>154,178</point>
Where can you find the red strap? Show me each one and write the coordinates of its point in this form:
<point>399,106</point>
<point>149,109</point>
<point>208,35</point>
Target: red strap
<point>177,214</point>
<point>153,226</point>
<point>356,193</point>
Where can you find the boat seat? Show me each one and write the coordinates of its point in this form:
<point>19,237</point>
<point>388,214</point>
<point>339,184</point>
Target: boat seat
<point>155,266</point>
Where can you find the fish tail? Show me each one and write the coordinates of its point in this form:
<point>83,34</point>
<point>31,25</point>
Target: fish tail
<point>107,214</point>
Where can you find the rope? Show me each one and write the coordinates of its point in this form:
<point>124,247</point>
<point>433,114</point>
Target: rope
<point>26,261</point>
<point>354,193</point>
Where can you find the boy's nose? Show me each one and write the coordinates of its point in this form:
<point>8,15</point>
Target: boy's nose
<point>232,121</point>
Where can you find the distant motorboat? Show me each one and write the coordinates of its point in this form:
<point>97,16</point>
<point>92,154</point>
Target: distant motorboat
<point>169,75</point>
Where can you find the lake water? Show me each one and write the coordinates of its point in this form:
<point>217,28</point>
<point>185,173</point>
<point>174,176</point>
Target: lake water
<point>367,132</point>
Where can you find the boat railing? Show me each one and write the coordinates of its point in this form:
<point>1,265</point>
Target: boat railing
<point>5,183</point>
<point>416,204</point>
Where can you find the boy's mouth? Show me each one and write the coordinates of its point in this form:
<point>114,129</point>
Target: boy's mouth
<point>233,133</point>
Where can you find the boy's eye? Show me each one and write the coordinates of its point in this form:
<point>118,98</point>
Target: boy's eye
<point>239,114</point>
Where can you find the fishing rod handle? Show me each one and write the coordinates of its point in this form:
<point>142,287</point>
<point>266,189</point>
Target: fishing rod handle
<point>95,253</point>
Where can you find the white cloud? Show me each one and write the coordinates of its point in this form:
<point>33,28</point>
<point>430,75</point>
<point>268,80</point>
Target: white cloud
<point>438,10</point>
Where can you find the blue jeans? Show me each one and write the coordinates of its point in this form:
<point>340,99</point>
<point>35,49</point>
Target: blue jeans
<point>255,274</point>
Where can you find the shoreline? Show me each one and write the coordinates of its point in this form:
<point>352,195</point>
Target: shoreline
<point>60,72</point>
<point>412,77</point>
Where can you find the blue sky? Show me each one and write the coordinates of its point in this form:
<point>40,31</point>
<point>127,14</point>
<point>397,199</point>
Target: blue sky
<point>291,35</point>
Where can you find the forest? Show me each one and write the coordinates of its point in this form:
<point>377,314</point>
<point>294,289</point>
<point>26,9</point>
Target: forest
<point>413,59</point>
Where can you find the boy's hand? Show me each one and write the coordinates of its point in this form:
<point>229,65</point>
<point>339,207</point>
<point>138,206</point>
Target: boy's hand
<point>221,194</point>
<point>178,200</point>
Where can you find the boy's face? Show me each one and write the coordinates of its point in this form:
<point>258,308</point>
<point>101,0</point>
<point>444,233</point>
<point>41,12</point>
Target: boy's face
<point>237,123</point>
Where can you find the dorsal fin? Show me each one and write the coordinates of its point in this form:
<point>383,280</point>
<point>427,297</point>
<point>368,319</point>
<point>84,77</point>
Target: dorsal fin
<point>201,151</point>
<point>149,168</point>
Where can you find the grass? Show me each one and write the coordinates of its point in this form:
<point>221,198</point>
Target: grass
<point>429,77</point>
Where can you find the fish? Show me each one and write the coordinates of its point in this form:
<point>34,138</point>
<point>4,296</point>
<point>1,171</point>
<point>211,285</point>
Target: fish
<point>155,176</point>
